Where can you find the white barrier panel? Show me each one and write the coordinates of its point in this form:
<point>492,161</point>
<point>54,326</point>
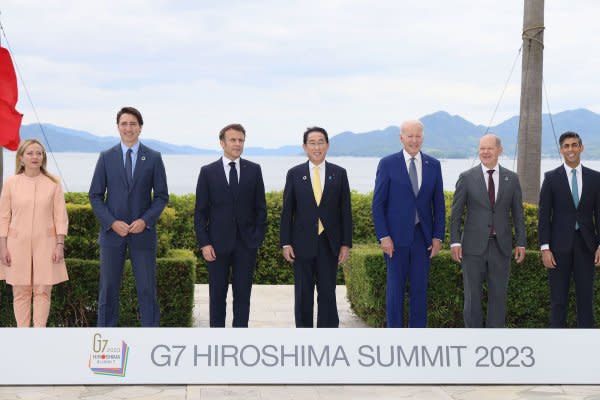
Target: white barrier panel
<point>298,356</point>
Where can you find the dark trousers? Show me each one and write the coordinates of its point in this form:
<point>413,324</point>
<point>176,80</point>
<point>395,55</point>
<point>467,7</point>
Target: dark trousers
<point>578,262</point>
<point>322,271</point>
<point>492,267</point>
<point>238,264</point>
<point>408,264</point>
<point>112,260</point>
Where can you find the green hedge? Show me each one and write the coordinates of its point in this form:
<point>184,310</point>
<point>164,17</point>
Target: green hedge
<point>363,229</point>
<point>82,240</point>
<point>180,221</point>
<point>528,292</point>
<point>176,230</point>
<point>75,302</point>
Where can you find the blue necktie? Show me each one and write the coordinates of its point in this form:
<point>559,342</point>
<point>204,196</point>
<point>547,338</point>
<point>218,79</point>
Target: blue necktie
<point>129,168</point>
<point>412,175</point>
<point>575,191</point>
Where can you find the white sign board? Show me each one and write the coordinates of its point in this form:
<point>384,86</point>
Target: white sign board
<point>298,356</point>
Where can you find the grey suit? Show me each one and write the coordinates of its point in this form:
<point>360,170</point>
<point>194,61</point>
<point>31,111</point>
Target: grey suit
<point>486,256</point>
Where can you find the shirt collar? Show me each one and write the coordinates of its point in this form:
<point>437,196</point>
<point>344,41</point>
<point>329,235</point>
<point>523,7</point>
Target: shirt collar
<point>407,156</point>
<point>134,148</point>
<point>485,169</point>
<point>568,169</point>
<point>226,161</point>
<point>316,166</point>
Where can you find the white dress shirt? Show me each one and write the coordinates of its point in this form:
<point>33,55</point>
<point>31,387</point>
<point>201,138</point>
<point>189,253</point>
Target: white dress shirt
<point>570,178</point>
<point>134,152</point>
<point>227,167</point>
<point>495,177</point>
<point>418,166</point>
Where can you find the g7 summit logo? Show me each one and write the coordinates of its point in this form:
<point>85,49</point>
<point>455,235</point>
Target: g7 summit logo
<point>107,358</point>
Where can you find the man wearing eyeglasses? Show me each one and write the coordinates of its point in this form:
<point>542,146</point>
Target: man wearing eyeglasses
<point>316,230</point>
<point>128,193</point>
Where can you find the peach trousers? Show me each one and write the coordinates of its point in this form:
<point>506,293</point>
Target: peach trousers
<point>22,296</point>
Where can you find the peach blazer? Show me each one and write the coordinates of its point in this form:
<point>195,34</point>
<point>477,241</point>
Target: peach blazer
<point>32,214</point>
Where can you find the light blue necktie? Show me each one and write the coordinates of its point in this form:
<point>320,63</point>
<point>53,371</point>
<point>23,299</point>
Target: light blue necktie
<point>412,175</point>
<point>575,191</point>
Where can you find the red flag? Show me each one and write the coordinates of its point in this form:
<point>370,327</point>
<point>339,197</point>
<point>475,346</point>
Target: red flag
<point>10,118</point>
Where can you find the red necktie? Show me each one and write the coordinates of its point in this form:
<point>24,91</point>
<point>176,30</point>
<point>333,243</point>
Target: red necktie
<point>491,195</point>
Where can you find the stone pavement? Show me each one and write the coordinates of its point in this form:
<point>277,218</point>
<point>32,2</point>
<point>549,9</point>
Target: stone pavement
<point>272,306</point>
<point>300,392</point>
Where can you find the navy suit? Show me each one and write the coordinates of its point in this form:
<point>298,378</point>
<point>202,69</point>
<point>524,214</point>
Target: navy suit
<point>573,249</point>
<point>316,255</point>
<point>113,199</point>
<point>233,222</point>
<point>394,206</point>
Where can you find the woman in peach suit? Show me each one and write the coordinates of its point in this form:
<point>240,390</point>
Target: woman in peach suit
<point>33,225</point>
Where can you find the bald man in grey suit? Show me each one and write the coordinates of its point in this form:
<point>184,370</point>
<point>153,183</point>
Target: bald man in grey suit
<point>491,195</point>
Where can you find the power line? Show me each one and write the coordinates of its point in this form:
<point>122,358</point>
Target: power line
<point>506,83</point>
<point>550,116</point>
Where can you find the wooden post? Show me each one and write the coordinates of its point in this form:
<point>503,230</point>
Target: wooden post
<point>530,121</point>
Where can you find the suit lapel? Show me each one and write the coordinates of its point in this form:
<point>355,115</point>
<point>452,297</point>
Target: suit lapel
<point>585,185</point>
<point>308,183</point>
<point>425,172</point>
<point>242,176</point>
<point>564,181</point>
<point>330,177</point>
<point>220,174</point>
<point>480,181</point>
<point>139,164</point>
<point>503,181</point>
<point>404,171</point>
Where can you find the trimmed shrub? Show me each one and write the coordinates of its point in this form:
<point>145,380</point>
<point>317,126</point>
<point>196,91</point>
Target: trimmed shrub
<point>75,302</point>
<point>528,291</point>
<point>82,240</point>
<point>176,230</point>
<point>80,198</point>
<point>184,236</point>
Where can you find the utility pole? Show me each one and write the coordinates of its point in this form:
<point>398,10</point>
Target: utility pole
<point>530,120</point>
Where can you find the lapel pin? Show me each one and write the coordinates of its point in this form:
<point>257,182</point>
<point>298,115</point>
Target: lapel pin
<point>330,177</point>
<point>304,178</point>
<point>143,158</point>
<point>506,178</point>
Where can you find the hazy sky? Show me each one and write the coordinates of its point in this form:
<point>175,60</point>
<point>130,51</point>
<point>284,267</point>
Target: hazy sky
<point>277,67</point>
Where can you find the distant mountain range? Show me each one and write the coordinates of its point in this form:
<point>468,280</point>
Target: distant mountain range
<point>446,136</point>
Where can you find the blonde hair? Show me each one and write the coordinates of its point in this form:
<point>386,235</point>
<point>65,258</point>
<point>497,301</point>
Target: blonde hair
<point>20,167</point>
